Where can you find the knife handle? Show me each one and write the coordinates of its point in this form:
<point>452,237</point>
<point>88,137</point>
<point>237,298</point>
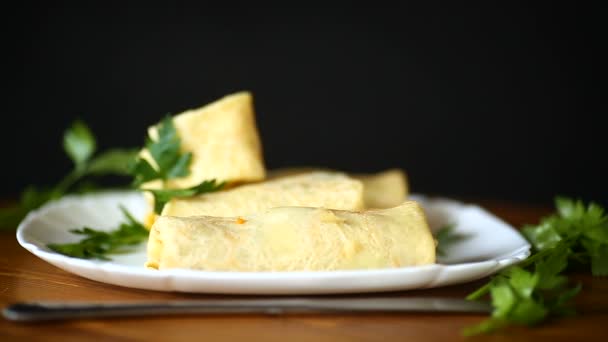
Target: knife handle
<point>45,311</point>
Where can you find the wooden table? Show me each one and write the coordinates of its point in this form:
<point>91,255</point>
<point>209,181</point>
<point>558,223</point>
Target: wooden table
<point>24,277</point>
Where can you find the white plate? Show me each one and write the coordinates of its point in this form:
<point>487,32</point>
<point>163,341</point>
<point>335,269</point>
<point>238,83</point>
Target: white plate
<point>493,245</point>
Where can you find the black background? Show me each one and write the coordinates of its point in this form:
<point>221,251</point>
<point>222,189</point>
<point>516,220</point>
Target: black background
<point>498,101</point>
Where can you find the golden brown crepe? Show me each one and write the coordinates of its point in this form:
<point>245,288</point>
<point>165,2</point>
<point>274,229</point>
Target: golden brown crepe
<point>318,189</point>
<point>224,142</point>
<point>384,189</point>
<point>294,239</point>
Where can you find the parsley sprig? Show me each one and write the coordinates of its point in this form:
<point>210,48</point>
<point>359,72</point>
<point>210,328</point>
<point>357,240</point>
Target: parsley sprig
<point>447,236</point>
<point>162,196</point>
<point>166,152</point>
<point>537,289</point>
<point>586,229</point>
<point>80,146</point>
<point>170,163</point>
<point>98,244</point>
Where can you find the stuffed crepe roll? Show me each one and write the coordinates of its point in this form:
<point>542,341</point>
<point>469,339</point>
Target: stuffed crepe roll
<point>294,239</point>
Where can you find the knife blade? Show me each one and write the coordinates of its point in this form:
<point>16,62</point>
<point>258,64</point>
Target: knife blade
<point>49,310</point>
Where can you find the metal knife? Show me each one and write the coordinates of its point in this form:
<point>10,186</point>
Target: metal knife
<point>46,311</point>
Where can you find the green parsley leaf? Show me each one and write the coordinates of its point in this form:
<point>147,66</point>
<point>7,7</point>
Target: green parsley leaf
<point>521,296</point>
<point>142,172</point>
<point>169,163</point>
<point>528,311</point>
<point>549,268</point>
<point>503,299</point>
<point>586,227</point>
<point>115,161</point>
<point>166,153</point>
<point>542,236</point>
<point>162,196</point>
<point>180,167</point>
<point>537,288</point>
<point>98,244</point>
<point>522,281</point>
<point>79,143</point>
<point>446,236</point>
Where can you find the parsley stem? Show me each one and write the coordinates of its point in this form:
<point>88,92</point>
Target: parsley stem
<point>69,180</point>
<point>533,258</point>
<point>480,291</point>
<point>545,252</point>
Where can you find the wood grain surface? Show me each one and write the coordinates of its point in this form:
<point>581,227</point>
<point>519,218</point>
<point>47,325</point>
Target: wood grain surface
<point>24,277</point>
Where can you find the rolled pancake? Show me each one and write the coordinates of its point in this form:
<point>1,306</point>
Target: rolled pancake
<point>384,189</point>
<point>318,189</point>
<point>294,239</point>
<point>224,142</point>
